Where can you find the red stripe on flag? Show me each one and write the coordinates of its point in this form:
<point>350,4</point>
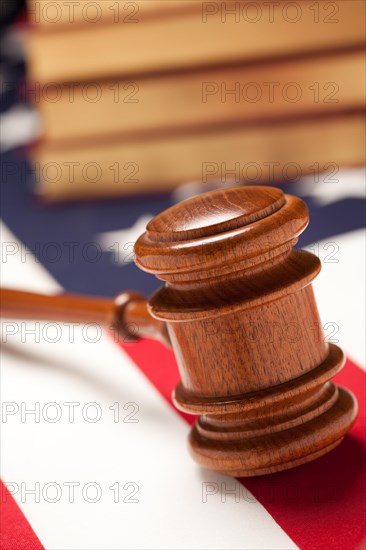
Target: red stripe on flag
<point>15,531</point>
<point>320,504</point>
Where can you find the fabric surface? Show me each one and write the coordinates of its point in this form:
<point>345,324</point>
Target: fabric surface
<point>319,504</point>
<point>15,531</point>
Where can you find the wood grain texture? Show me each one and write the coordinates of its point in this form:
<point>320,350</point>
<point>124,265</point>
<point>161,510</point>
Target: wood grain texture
<point>126,316</point>
<point>239,311</point>
<point>245,329</point>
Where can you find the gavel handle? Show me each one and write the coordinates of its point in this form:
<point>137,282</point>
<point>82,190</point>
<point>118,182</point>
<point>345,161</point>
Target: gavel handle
<point>126,315</point>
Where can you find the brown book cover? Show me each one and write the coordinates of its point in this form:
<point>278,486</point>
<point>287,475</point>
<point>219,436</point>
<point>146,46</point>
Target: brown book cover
<point>266,152</point>
<point>248,92</point>
<point>217,33</point>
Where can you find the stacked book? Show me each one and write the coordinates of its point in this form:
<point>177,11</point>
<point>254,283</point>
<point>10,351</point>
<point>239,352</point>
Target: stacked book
<point>140,96</point>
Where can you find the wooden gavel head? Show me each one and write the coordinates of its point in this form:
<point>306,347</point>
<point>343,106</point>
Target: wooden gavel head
<point>244,327</point>
<point>239,311</point>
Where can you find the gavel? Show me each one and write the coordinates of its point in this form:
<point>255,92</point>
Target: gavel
<point>239,312</point>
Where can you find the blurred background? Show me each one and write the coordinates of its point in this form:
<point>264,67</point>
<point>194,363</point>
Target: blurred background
<point>114,110</point>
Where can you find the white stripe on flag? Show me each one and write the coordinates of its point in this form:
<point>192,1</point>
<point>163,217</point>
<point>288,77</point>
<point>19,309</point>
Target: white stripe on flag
<point>340,291</point>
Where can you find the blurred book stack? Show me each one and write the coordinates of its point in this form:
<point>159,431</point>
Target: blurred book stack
<point>140,96</point>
